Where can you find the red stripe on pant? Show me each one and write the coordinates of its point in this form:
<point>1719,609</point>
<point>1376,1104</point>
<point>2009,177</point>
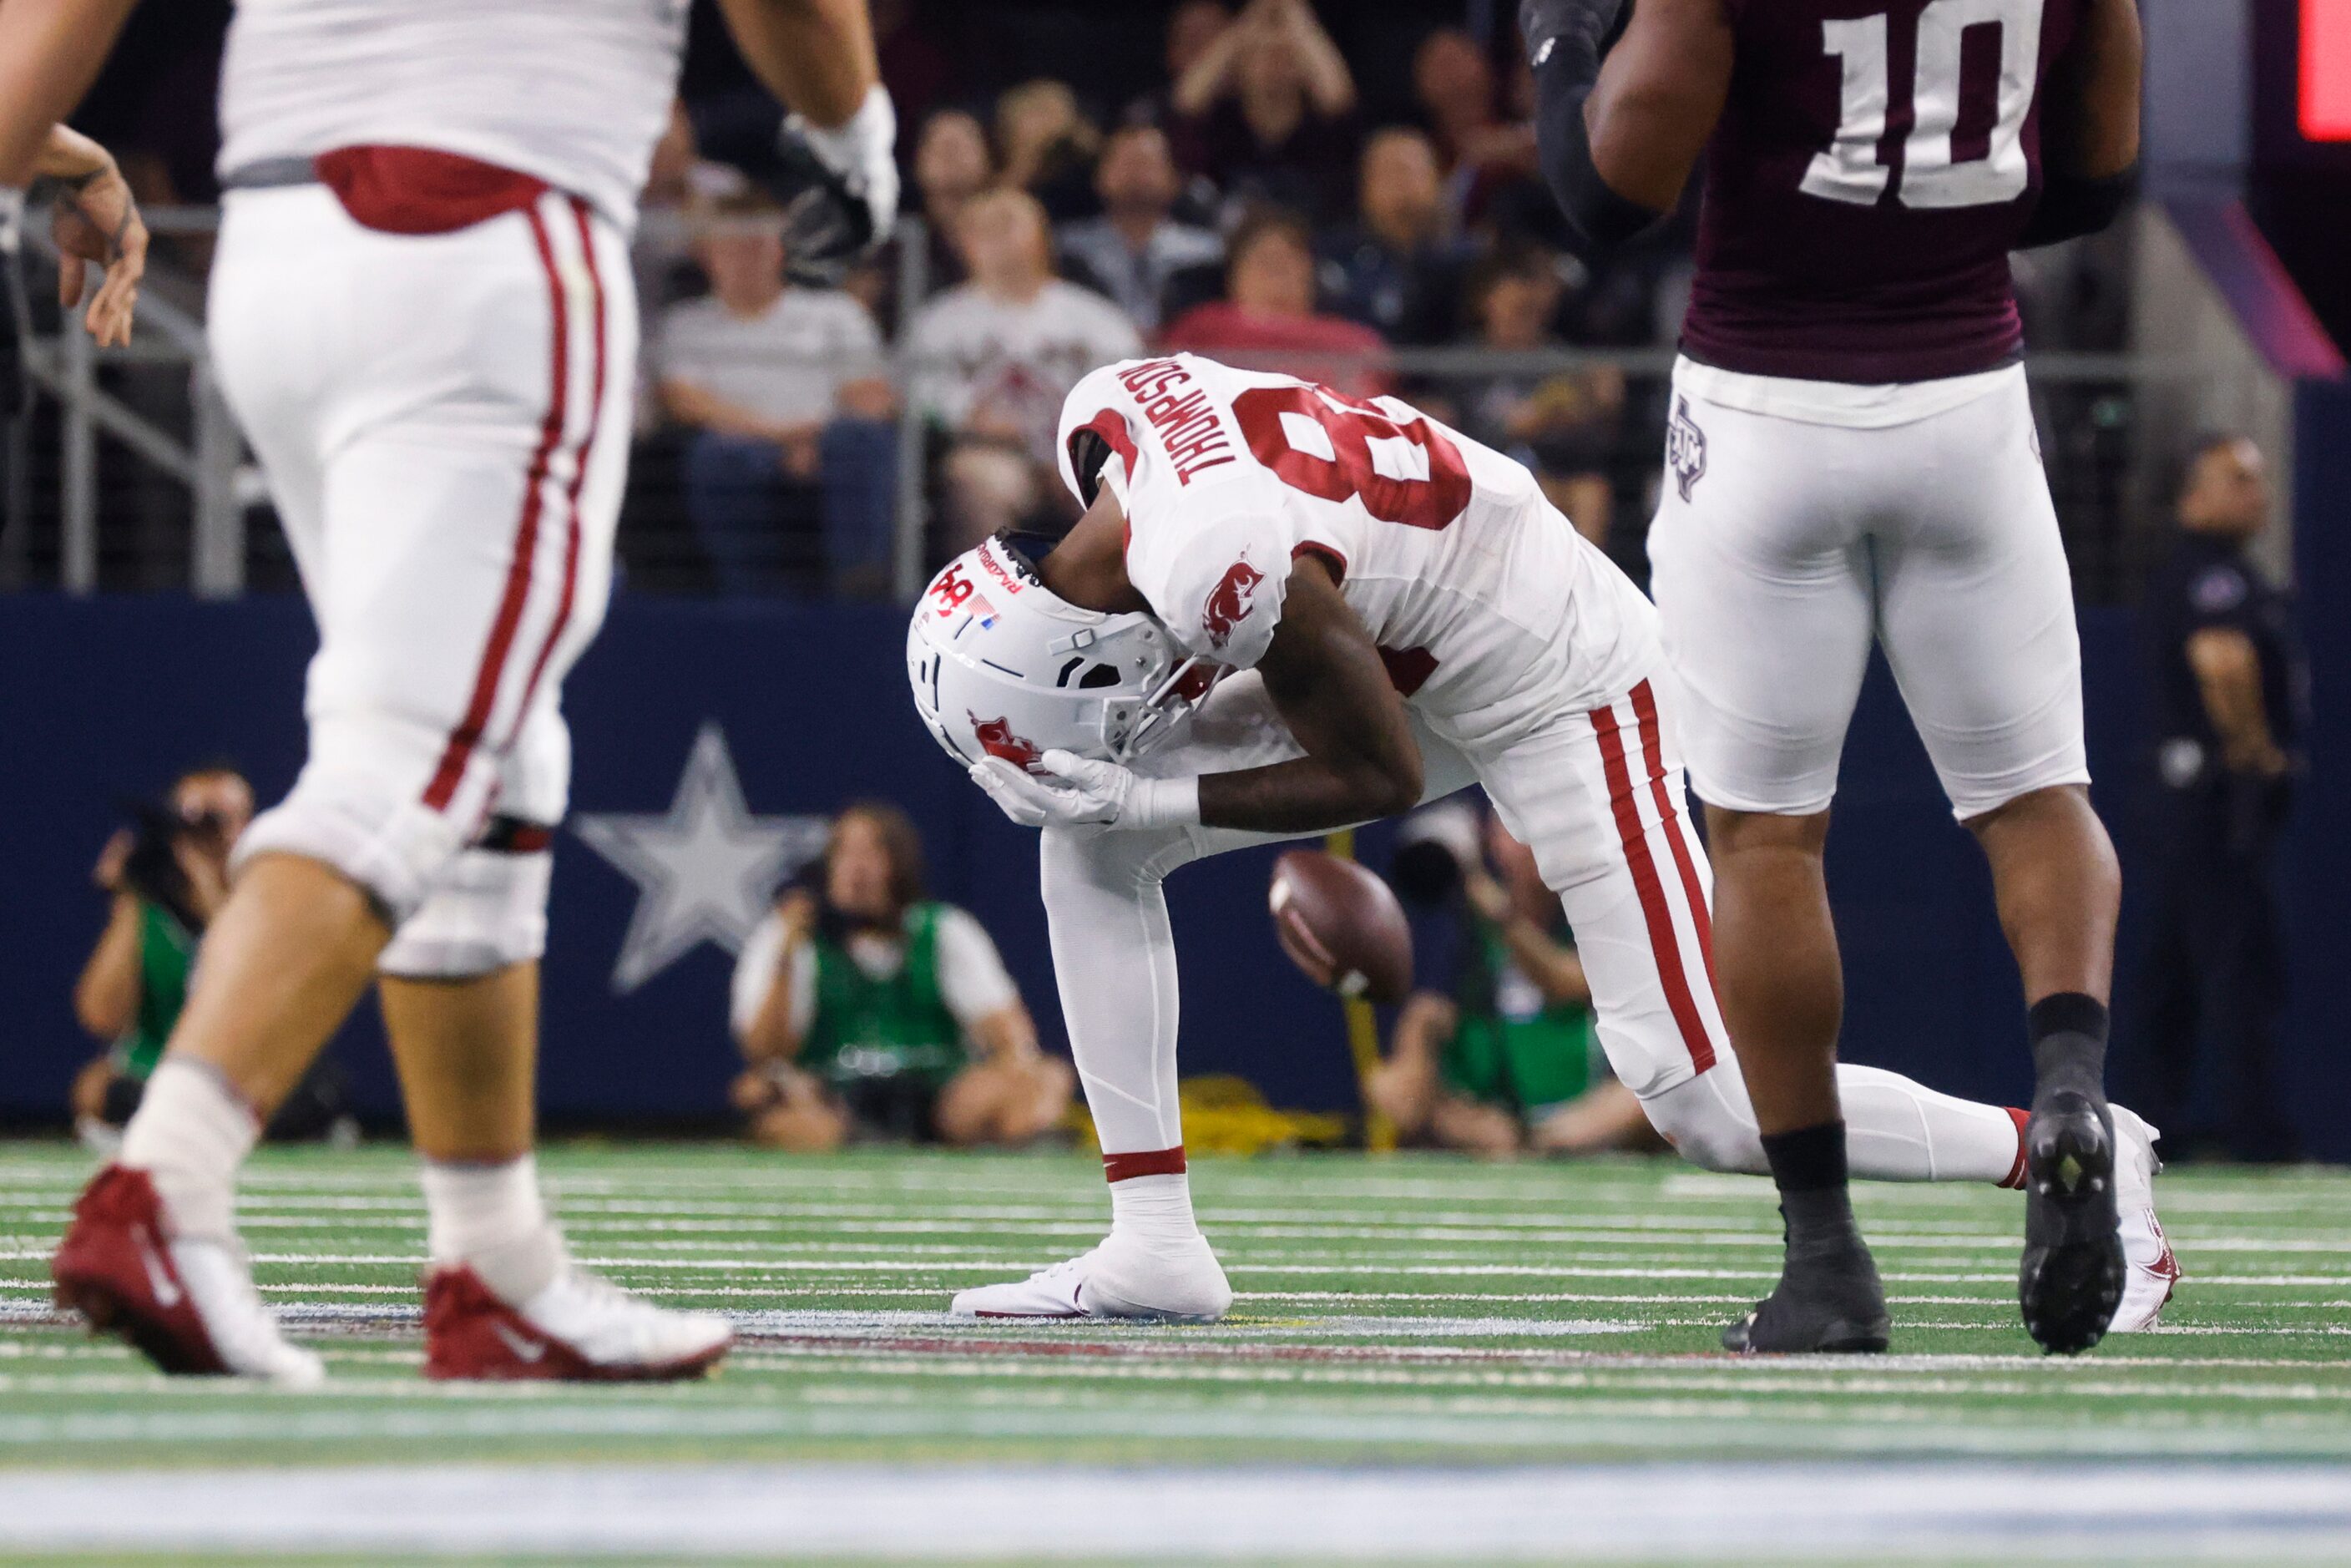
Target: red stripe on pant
<point>1142,1163</point>
<point>1663,940</point>
<point>467,736</point>
<point>1669,814</point>
<point>579,469</point>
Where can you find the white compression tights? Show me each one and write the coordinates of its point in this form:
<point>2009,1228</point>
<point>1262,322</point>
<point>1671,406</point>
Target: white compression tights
<point>1114,955</point>
<point>1895,1129</point>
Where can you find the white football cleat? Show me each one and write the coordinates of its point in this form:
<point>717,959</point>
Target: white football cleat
<point>187,1302</point>
<point>1122,1279</point>
<point>2151,1271</point>
<point>582,1328</point>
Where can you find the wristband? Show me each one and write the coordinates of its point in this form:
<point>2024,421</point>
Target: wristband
<point>875,123</point>
<point>1163,803</point>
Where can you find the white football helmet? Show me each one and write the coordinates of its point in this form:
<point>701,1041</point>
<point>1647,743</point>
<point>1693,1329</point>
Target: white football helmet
<point>1001,666</point>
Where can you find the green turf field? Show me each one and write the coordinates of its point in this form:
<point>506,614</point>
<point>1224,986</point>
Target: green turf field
<point>1406,1318</point>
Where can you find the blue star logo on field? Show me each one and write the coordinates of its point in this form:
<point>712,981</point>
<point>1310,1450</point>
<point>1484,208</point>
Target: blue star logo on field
<point>705,870</point>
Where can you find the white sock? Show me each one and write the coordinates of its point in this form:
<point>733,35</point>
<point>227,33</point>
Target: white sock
<point>1153,1210</point>
<point>490,1219</point>
<point>190,1133</point>
<point>1899,1130</point>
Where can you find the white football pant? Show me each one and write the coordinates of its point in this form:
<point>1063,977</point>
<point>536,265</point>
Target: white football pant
<point>443,421</point>
<point>1597,794</point>
<point>1800,522</point>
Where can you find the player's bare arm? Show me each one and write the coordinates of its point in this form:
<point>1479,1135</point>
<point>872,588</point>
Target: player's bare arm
<point>2089,126</point>
<point>1621,127</point>
<point>1323,672</point>
<point>94,219</point>
<point>840,139</point>
<point>50,51</point>
<point>1326,680</point>
<point>817,56</point>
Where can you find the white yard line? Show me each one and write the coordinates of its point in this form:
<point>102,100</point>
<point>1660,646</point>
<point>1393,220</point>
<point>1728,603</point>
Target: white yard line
<point>1707,1426</point>
<point>1739,1511</point>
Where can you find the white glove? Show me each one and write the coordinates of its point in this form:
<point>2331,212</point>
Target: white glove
<point>849,197</point>
<point>1079,792</point>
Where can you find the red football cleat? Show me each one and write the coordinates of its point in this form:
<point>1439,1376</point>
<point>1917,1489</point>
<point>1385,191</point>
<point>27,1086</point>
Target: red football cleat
<point>188,1304</point>
<point>580,1328</point>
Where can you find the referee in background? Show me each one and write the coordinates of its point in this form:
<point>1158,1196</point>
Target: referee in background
<point>92,219</point>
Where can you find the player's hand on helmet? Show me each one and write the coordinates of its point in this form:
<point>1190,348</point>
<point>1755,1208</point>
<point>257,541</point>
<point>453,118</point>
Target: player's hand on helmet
<point>840,189</point>
<point>1076,791</point>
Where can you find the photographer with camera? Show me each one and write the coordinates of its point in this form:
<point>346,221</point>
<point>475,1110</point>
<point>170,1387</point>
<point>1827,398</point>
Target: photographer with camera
<point>167,874</point>
<point>865,1009</point>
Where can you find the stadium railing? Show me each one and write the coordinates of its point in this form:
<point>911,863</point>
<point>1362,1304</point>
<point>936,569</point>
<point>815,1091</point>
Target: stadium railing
<point>188,510</point>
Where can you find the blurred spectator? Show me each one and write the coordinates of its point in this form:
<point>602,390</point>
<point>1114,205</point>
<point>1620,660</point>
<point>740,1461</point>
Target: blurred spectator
<point>1267,320</point>
<point>660,251</point>
<point>1048,147</point>
<point>995,357</point>
<point>2228,691</point>
<point>167,877</point>
<point>1453,82</point>
<point>1563,425</point>
<point>917,70</point>
<point>661,245</point>
<point>1510,1061</point>
<point>952,166</point>
<point>1132,250</point>
<point>1193,28</point>
<point>1265,109</point>
<point>784,391</point>
<point>864,1009</point>
<point>1398,269</point>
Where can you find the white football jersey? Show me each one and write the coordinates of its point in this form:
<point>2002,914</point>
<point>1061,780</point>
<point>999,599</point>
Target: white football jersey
<point>573,91</point>
<point>1488,607</point>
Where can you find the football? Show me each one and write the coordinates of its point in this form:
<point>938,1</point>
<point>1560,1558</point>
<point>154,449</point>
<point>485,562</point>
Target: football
<point>1342,925</point>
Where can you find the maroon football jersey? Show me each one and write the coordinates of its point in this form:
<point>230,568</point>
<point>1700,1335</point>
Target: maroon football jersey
<point>1875,162</point>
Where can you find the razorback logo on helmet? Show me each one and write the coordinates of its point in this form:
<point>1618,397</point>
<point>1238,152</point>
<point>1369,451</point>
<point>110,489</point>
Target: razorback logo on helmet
<point>995,737</point>
<point>1228,601</point>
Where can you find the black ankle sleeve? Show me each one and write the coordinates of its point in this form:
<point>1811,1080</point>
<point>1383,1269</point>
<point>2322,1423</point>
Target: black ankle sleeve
<point>1809,1159</point>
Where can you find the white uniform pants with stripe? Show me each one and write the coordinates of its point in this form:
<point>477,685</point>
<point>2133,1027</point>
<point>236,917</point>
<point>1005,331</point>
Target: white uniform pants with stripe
<point>444,422</point>
<point>1598,795</point>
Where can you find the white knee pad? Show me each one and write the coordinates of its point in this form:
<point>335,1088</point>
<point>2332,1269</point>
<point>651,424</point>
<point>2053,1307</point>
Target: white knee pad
<point>1709,1122</point>
<point>391,844</point>
<point>488,910</point>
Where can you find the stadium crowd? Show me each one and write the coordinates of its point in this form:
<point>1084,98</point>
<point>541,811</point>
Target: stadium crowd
<point>1077,190</point>
<point>1249,203</point>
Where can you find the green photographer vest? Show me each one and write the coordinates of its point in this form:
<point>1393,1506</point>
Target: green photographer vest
<point>896,1026</point>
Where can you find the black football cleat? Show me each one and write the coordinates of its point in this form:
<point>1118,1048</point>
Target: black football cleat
<point>2072,1276</point>
<point>1828,1301</point>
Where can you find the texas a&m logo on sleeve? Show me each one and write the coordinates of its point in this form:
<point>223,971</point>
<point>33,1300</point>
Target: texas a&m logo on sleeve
<point>1685,448</point>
